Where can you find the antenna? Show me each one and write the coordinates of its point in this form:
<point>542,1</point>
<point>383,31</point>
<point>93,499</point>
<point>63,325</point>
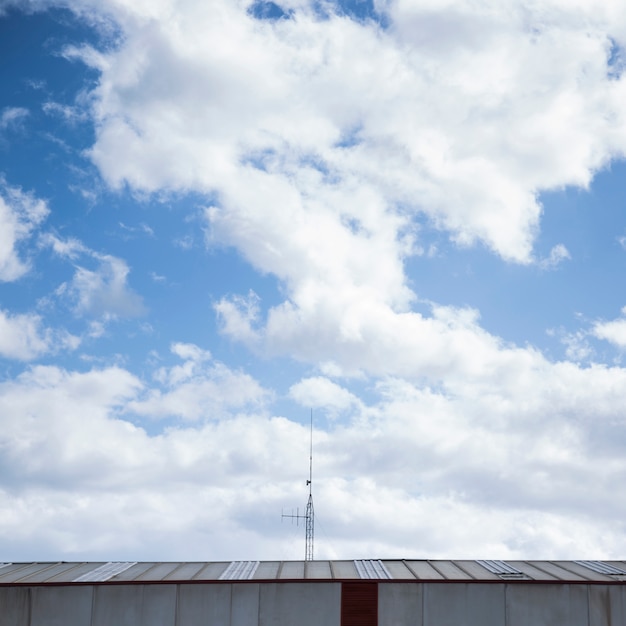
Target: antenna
<point>309,516</point>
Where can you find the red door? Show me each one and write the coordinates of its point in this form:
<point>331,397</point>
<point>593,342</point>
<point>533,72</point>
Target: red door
<point>359,604</point>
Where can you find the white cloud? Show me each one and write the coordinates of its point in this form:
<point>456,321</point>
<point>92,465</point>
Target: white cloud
<point>71,114</point>
<point>238,316</point>
<point>474,112</point>
<point>12,116</point>
<point>558,254</point>
<point>323,393</point>
<point>577,346</point>
<point>20,214</point>
<point>22,336</point>
<point>67,248</point>
<point>102,292</point>
<point>613,331</point>
<point>328,141</point>
<point>513,465</point>
<point>199,389</point>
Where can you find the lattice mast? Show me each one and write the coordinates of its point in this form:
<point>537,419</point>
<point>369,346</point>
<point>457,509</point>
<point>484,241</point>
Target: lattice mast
<point>309,516</point>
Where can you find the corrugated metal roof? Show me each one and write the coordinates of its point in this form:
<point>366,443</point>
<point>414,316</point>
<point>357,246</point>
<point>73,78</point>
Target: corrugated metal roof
<point>240,570</point>
<point>104,572</point>
<point>372,569</point>
<point>503,570</point>
<point>603,568</point>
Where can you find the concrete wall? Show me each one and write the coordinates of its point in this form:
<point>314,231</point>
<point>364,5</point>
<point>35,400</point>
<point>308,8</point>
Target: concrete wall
<point>312,604</point>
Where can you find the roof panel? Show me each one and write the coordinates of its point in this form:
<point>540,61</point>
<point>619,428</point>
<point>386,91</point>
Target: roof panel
<point>21,571</point>
<point>158,571</point>
<point>74,571</point>
<point>317,569</point>
<point>620,564</point>
<point>531,571</point>
<point>185,571</point>
<point>292,569</point>
<point>476,570</point>
<point>267,570</point>
<point>449,570</point>
<point>399,570</point>
<point>558,572</point>
<point>67,571</point>
<point>133,572</point>
<point>6,573</point>
<point>423,570</point>
<point>343,569</point>
<point>211,571</point>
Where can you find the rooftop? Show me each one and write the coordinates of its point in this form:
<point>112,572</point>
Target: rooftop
<point>35,573</point>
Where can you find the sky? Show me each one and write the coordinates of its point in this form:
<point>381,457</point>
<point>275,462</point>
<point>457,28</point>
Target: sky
<point>406,217</point>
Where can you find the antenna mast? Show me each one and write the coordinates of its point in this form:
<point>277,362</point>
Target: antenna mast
<point>309,516</point>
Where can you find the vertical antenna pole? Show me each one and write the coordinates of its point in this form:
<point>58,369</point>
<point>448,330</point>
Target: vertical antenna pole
<point>310,516</point>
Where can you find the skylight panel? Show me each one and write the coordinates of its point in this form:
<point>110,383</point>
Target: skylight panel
<point>602,568</point>
<point>240,570</point>
<point>370,568</point>
<point>104,572</point>
<point>502,569</point>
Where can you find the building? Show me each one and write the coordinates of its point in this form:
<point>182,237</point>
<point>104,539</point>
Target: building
<point>315,593</point>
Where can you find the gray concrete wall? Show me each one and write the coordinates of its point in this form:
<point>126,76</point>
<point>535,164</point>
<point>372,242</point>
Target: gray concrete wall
<point>312,604</point>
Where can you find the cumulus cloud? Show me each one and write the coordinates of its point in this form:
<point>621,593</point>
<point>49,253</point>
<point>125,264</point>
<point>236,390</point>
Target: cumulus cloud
<point>323,393</point>
<point>23,337</point>
<point>101,292</point>
<point>330,142</point>
<point>20,215</point>
<point>64,440</point>
<point>475,110</point>
<point>105,291</point>
<point>613,331</point>
<point>199,388</point>
<point>238,316</point>
<point>411,462</point>
<point>577,346</point>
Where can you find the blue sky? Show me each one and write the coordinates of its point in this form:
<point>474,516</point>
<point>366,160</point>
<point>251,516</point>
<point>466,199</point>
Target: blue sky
<point>405,215</point>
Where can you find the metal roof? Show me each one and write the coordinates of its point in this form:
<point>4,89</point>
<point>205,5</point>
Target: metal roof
<point>371,569</point>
